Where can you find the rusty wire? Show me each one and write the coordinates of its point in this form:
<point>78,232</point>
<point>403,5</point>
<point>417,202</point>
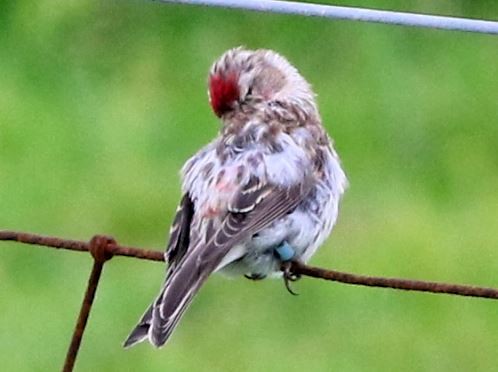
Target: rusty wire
<point>98,248</point>
<point>297,268</point>
<point>78,245</point>
<point>103,248</point>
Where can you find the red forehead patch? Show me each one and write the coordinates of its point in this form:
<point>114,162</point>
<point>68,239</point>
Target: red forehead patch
<point>223,92</point>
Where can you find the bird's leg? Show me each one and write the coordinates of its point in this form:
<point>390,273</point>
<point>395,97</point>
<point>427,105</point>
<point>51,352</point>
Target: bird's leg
<point>285,253</point>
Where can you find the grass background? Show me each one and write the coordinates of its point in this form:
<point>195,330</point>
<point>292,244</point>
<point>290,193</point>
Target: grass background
<point>102,102</point>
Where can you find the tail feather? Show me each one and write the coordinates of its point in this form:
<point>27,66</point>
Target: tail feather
<point>141,331</point>
<point>176,296</point>
<point>181,285</point>
<point>185,278</point>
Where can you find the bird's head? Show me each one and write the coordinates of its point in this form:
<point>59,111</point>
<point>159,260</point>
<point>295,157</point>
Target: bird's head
<point>244,77</point>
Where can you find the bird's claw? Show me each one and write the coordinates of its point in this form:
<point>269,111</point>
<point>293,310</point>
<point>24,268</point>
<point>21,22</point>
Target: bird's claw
<point>289,277</point>
<point>286,253</point>
<point>255,276</point>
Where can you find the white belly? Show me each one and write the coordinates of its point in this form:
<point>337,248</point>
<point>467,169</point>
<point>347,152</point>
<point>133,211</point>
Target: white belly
<point>304,230</point>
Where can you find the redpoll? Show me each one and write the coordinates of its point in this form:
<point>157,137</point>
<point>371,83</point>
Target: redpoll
<point>264,192</point>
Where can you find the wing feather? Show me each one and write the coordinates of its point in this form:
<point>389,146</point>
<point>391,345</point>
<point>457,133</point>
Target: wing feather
<point>180,232</point>
<point>255,207</point>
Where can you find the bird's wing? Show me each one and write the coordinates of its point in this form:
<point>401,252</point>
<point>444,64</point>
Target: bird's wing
<point>179,235</point>
<point>255,207</point>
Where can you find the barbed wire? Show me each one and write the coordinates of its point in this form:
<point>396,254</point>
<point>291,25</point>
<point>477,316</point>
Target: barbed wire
<point>103,248</point>
<point>352,13</point>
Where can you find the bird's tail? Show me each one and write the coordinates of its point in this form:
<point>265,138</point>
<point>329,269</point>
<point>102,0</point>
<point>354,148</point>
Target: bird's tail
<point>161,318</point>
<point>141,331</point>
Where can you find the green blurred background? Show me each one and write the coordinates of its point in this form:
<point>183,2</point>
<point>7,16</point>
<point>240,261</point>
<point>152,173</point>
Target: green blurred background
<point>102,102</point>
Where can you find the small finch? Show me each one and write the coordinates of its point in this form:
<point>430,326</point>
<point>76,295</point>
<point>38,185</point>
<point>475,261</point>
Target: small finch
<point>264,192</point>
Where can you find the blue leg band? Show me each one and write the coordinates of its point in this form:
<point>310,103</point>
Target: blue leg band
<point>285,252</point>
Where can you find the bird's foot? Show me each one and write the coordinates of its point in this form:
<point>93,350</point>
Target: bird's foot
<point>286,253</point>
<point>289,277</point>
<point>254,276</point>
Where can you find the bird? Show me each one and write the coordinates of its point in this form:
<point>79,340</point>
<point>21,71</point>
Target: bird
<point>264,192</point>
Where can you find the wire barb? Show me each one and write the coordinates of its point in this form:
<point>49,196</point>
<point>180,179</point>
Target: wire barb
<point>352,13</point>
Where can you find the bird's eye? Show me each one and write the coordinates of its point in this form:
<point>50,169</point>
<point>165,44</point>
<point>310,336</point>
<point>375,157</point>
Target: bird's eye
<point>249,92</point>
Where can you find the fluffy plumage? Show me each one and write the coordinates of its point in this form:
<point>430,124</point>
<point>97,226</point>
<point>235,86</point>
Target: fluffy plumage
<point>271,176</point>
